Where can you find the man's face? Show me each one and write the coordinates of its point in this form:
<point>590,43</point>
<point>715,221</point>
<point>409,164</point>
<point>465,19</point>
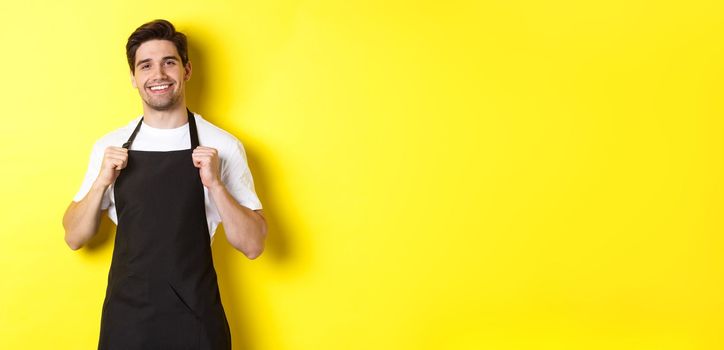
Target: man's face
<point>160,76</point>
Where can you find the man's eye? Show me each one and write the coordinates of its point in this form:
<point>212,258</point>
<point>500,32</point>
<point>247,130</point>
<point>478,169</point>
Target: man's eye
<point>170,62</point>
<point>144,66</point>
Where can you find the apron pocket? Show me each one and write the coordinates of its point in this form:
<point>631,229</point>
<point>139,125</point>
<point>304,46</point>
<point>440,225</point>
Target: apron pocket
<point>182,300</point>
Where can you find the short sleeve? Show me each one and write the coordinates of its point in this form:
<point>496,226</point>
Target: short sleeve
<point>94,168</point>
<point>237,177</point>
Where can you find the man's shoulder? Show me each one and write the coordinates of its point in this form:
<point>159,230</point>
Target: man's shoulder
<point>213,136</point>
<point>117,136</point>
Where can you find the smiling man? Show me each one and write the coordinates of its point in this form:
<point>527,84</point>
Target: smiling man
<point>167,179</point>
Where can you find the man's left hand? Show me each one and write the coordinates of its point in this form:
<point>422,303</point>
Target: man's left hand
<point>207,160</point>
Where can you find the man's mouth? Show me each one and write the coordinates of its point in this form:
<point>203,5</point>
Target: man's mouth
<point>160,88</point>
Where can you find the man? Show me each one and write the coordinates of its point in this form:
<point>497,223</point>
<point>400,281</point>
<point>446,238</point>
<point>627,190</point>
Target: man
<point>167,179</point>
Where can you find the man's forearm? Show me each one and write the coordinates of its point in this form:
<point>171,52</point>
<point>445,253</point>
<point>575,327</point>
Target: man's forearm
<point>245,229</point>
<point>82,218</point>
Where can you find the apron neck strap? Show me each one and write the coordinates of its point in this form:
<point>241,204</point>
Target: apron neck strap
<point>192,132</point>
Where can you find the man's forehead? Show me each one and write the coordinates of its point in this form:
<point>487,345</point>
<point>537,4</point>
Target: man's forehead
<point>156,49</point>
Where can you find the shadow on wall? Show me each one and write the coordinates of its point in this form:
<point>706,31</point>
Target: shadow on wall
<point>278,241</point>
<point>197,85</point>
<point>277,250</point>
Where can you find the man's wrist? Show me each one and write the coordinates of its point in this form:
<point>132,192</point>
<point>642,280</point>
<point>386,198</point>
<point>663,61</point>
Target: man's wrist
<point>97,186</point>
<point>217,187</point>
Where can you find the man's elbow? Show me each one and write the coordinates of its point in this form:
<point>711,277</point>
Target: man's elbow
<point>253,251</point>
<point>253,254</point>
<point>75,246</point>
<point>72,244</point>
<point>69,235</point>
<point>72,238</point>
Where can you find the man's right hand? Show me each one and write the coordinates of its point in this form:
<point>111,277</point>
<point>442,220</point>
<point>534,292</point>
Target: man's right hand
<point>114,160</point>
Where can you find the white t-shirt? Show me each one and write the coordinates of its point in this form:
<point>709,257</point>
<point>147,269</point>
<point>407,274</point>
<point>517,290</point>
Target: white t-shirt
<point>234,170</point>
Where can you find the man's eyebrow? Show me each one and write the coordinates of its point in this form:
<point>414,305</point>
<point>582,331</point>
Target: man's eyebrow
<point>163,59</point>
<point>143,61</point>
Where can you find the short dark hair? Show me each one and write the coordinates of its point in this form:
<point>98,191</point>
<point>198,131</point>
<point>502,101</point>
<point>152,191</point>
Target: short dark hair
<point>159,29</point>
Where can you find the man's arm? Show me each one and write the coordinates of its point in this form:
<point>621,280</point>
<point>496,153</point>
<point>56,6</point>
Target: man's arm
<point>245,228</point>
<point>81,219</point>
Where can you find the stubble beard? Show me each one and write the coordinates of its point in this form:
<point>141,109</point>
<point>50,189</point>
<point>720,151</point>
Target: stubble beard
<point>162,103</point>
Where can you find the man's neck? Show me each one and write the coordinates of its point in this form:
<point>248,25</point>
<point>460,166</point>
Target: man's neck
<point>168,119</point>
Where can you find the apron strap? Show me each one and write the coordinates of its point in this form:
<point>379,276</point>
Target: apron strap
<point>192,132</point>
<point>128,143</point>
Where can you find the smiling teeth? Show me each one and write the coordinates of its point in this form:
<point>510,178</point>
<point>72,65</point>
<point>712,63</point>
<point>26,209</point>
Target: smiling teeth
<point>159,87</point>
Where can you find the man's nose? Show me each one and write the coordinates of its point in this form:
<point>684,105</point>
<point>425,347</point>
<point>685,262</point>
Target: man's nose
<point>159,72</point>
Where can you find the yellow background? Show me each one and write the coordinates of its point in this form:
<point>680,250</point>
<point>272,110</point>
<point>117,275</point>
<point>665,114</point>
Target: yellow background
<point>436,175</point>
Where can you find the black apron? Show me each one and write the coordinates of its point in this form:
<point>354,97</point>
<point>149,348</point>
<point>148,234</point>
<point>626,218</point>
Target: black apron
<point>162,291</point>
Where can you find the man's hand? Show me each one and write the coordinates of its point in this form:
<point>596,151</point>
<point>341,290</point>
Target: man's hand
<point>114,159</point>
<point>207,160</point>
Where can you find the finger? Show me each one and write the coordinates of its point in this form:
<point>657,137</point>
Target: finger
<point>117,155</point>
<point>210,153</point>
<point>116,150</point>
<point>118,165</point>
<point>202,156</point>
<point>205,149</point>
<point>205,162</point>
<point>205,156</point>
<point>115,158</point>
<point>111,163</point>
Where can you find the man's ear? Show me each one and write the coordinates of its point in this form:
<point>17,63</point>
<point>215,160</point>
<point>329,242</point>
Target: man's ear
<point>133,81</point>
<point>187,68</point>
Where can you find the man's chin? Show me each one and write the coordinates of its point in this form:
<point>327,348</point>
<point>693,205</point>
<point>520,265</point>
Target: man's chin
<point>160,108</point>
<point>161,105</point>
